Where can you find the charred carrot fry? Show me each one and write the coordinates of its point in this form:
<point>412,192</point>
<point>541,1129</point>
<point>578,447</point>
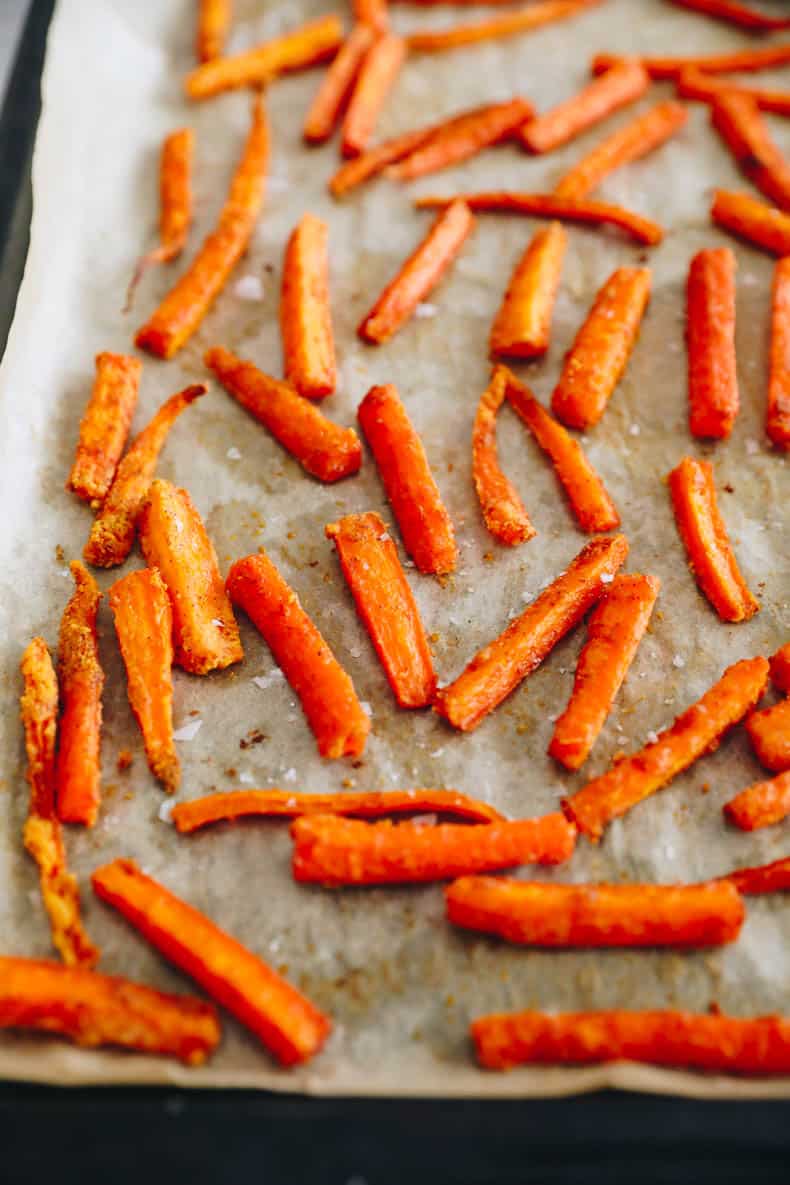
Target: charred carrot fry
<point>499,667</point>
<point>522,326</point>
<point>305,319</point>
<point>372,12</point>
<point>425,525</point>
<point>78,771</point>
<point>615,630</point>
<point>462,137</point>
<point>619,86</point>
<point>694,84</point>
<point>733,13</point>
<point>105,425</point>
<point>753,220</point>
<point>375,79</point>
<point>332,94</point>
<point>777,416</point>
<point>696,731</point>
<point>739,122</point>
<point>745,60</point>
<point>710,334</point>
<point>780,668</point>
<point>280,1016</point>
<point>766,878</point>
<point>331,850</point>
<point>760,805</point>
<point>327,694</point>
<point>175,204</point>
<point>769,732</point>
<point>503,510</point>
<point>188,301</point>
<point>213,24</point>
<point>321,447</point>
<point>368,164</point>
<point>522,20</point>
<point>174,540</point>
<point>385,603</point>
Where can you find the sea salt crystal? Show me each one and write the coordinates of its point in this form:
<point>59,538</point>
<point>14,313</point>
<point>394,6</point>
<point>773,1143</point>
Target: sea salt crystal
<point>634,430</point>
<point>426,310</point>
<point>249,288</point>
<point>218,622</point>
<point>165,811</point>
<point>233,454</point>
<point>366,708</point>
<point>246,778</point>
<point>290,775</point>
<point>188,731</point>
<point>678,661</point>
<point>607,578</point>
<point>652,737</point>
<point>264,681</point>
<point>437,752</point>
<point>752,447</point>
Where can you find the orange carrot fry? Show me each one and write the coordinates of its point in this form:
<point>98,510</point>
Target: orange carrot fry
<point>694,84</point>
<point>91,1010</point>
<point>321,447</point>
<point>78,770</point>
<point>619,86</point>
<point>105,425</point>
<point>374,13</point>
<point>332,95</point>
<point>213,24</point>
<point>499,667</point>
<point>503,510</point>
<point>368,164</point>
<point>766,878</point>
<point>760,805</point>
<point>328,698</point>
<point>769,732</point>
<point>144,623</point>
<point>305,319</point>
<point>522,20</point>
<point>696,731</point>
<point>331,850</point>
<point>763,226</point>
<point>777,415</point>
<point>425,525</point>
<point>175,203</point>
<point>710,334</point>
<point>462,137</point>
<point>746,60</point>
<point>614,632</point>
<point>733,13</point>
<point>780,668</point>
<point>39,710</point>
<point>522,326</point>
<point>188,301</point>
<point>385,603</point>
<point>174,540</point>
<point>280,1016</point>
<point>738,121</point>
<point>112,533</point>
<point>594,509</point>
<point>375,79</point>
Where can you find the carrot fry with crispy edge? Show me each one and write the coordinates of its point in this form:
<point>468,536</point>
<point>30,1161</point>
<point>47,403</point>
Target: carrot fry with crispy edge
<point>213,23</point>
<point>503,511</point>
<point>112,532</point>
<point>760,805</point>
<point>765,878</point>
<point>749,218</point>
<point>188,301</point>
<point>498,668</point>
<point>305,318</point>
<point>614,632</point>
<point>694,84</point>
<point>695,732</point>
<point>522,20</point>
<point>746,60</point>
<point>777,412</point>
<point>522,325</point>
<point>736,14</point>
<point>368,164</point>
<point>386,604</point>
<point>337,84</point>
<point>333,851</point>
<point>594,509</point>
<point>174,540</point>
<point>374,13</point>
<point>425,525</point>
<point>375,79</point>
<point>769,732</point>
<point>175,204</point>
<point>92,1009</point>
<point>280,1016</point>
<point>740,123</point>
<point>713,395</point>
<point>325,690</point>
<point>780,668</point>
<point>321,447</point>
<point>78,773</point>
<point>461,138</point>
<point>105,425</point>
<point>623,84</point>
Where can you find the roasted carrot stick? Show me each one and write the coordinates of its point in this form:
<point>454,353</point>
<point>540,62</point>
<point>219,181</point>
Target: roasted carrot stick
<point>780,668</point>
<point>78,771</point>
<point>419,275</point>
<point>174,540</point>
<point>763,226</point>
<point>503,510</point>
<point>287,1023</point>
<point>385,603</point>
<point>305,318</point>
<point>188,301</point>
<point>522,326</point>
<point>694,84</point>
<point>615,630</point>
<point>777,415</point>
<point>499,667</point>
<point>213,24</point>
<point>746,60</point>
<point>425,525</point>
<point>599,355</point>
<point>733,13</point>
<point>696,731</point>
<point>739,122</point>
<point>619,86</point>
<point>105,425</point>
<point>522,20</point>
<point>769,732</point>
<point>462,137</point>
<point>760,805</point>
<point>328,698</point>
<point>322,447</point>
<point>368,164</point>
<point>766,878</point>
<point>372,12</point>
<point>710,336</point>
<point>335,851</point>
<point>91,1010</point>
<point>175,203</point>
<point>337,84</point>
<point>39,711</point>
<point>375,79</point>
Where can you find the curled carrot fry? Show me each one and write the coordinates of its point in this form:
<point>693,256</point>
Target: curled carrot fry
<point>305,319</point>
<point>739,122</point>
<point>337,84</point>
<point>780,668</point>
<point>761,804</point>
<point>368,164</point>
<point>765,878</point>
<point>522,20</point>
<point>327,694</point>
<point>374,13</point>
<point>746,60</point>
<point>769,732</point>
<point>753,220</point>
<point>522,326</point>
<point>321,447</point>
<point>619,86</point>
<point>78,772</point>
<point>461,138</point>
<point>375,79</point>
<point>696,731</point>
<point>213,23</point>
<point>777,414</point>
<point>694,84</point>
<point>710,335</point>
<point>503,510</point>
<point>499,667</point>
<point>175,204</point>
<point>733,13</point>
<point>105,425</point>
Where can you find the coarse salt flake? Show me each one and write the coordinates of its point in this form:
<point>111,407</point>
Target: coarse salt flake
<point>246,778</point>
<point>233,454</point>
<point>752,447</point>
<point>165,811</point>
<point>290,775</point>
<point>188,731</point>
<point>426,310</point>
<point>249,288</point>
<point>366,708</point>
<point>678,661</point>
<point>607,578</point>
<point>264,681</point>
<point>634,430</point>
<point>652,737</point>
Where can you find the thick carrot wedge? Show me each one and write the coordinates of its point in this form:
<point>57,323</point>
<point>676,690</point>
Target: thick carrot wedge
<point>738,121</point>
<point>710,333</point>
<point>78,769</point>
<point>760,805</point>
<point>375,79</point>
<point>780,668</point>
<point>522,326</point>
<point>38,707</point>
<point>522,20</point>
<point>697,731</point>
<point>695,84</point>
<point>462,137</point>
<point>503,510</point>
<point>213,24</point>
<point>746,60</point>
<point>765,878</point>
<point>374,13</point>
<point>369,164</point>
<point>105,425</point>
<point>619,86</point>
<point>175,204</point>
<point>332,95</point>
<point>734,13</point>
<point>777,413</point>
<point>499,667</point>
<point>287,1024</point>
<point>763,226</point>
<point>769,732</point>
<point>305,319</point>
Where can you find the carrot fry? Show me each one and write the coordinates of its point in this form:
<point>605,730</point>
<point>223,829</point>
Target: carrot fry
<point>619,86</point>
<point>174,540</point>
<point>694,84</point>
<point>112,533</point>
<point>766,878</point>
<point>761,804</point>
<point>333,851</point>
<point>738,121</point>
<point>750,219</point>
<point>777,416</point>
<point>600,352</point>
<point>736,14</point>
<point>336,86</point>
<point>188,301</point>
<point>499,667</point>
<point>522,20</point>
<point>368,164</point>
<point>710,334</point>
<point>105,425</point>
<point>175,204</point>
<point>375,79</point>
<point>769,732</point>
<point>522,326</point>
<point>91,1010</point>
<point>144,623</point>
<point>78,770</point>
<point>39,711</point>
<point>695,732</point>
<point>745,60</point>
<point>327,694</point>
<point>461,138</point>
<point>374,13</point>
<point>385,603</point>
<point>322,448</point>
<point>425,525</point>
<point>780,668</point>
<point>305,319</point>
<point>613,635</point>
<point>503,510</point>
<point>280,1016</point>
<point>213,23</point>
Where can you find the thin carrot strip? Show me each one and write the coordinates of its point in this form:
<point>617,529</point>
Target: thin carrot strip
<point>280,1016</point>
<point>78,772</point>
<point>385,603</point>
<point>745,60</point>
<point>327,694</point>
<point>694,84</point>
<point>522,20</point>
<point>321,447</point>
<point>765,878</point>
<point>305,319</point>
<point>105,425</point>
<point>174,540</point>
<point>214,18</point>
<point>39,711</point>
<point>374,13</point>
<point>739,122</point>
<point>175,204</point>
<point>188,301</point>
<point>522,325</point>
<point>425,525</point>
<point>777,414</point>
<point>375,79</point>
<point>761,804</point>
<point>503,510</point>
<point>750,219</point>
<point>463,137</point>
<point>615,630</point>
<point>769,732</point>
<point>710,333</point>
<point>780,668</point>
<point>498,668</point>
<point>368,164</point>
<point>621,85</point>
<point>337,84</point>
<point>733,13</point>
<point>695,732</point>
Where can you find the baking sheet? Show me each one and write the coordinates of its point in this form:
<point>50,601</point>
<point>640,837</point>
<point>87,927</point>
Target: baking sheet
<point>400,984</point>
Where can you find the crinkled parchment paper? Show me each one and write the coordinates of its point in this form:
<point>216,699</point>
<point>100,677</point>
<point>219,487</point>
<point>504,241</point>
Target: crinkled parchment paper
<point>400,984</point>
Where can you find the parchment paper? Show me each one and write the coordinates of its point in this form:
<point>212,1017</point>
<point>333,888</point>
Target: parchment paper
<point>400,984</point>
